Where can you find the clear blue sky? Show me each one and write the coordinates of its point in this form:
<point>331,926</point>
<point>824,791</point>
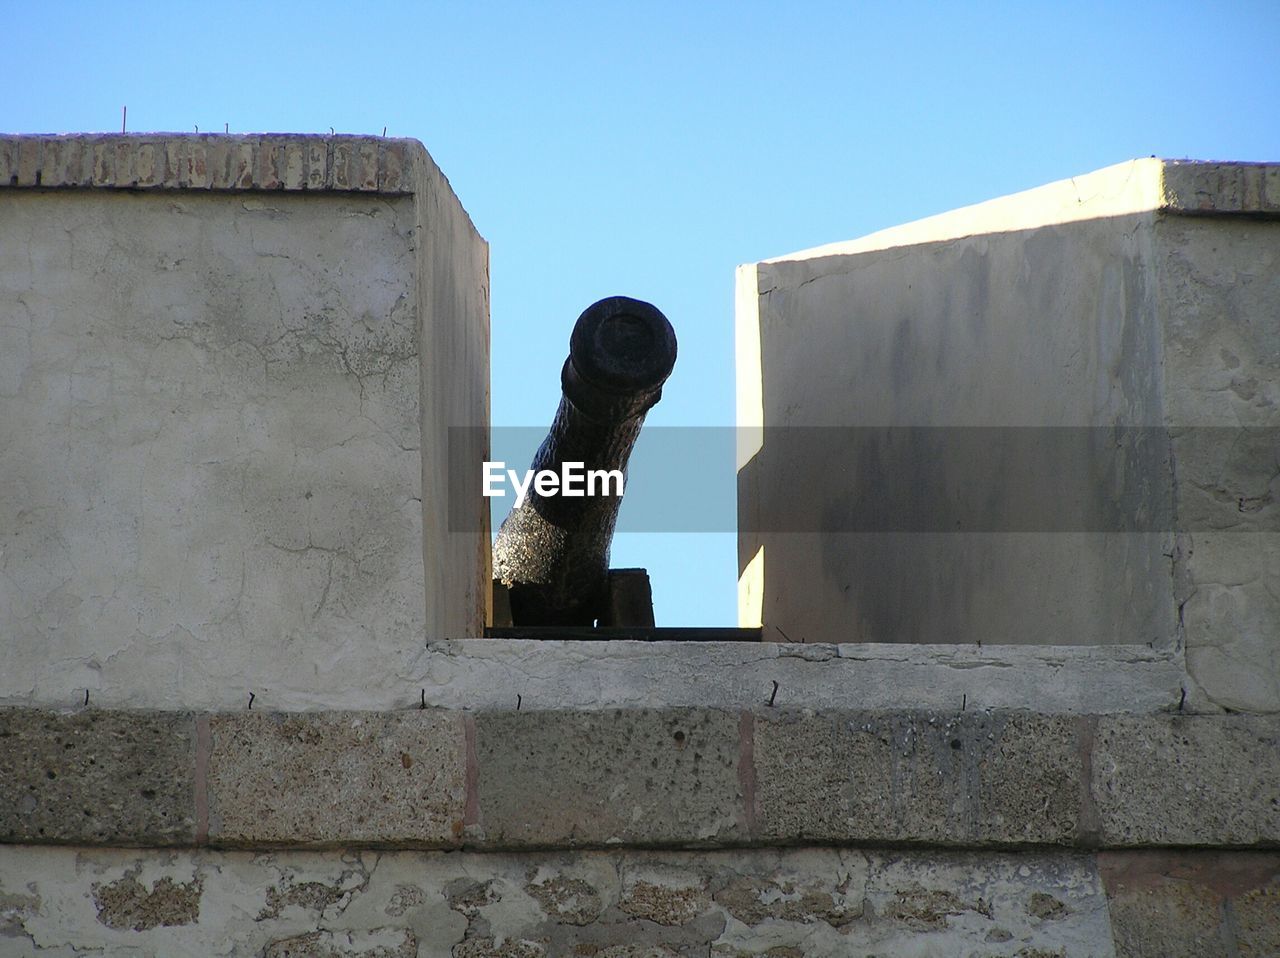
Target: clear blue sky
<point>648,148</point>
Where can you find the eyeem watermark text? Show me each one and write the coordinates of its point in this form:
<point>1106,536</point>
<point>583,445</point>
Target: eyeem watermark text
<point>573,479</point>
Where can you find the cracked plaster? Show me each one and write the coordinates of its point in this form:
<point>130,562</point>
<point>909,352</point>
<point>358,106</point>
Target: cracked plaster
<point>211,443</point>
<point>818,902</point>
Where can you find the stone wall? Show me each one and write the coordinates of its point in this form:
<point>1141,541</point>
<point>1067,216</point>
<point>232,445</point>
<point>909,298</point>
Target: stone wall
<point>781,903</point>
<point>238,716</point>
<point>1046,419</point>
<point>625,832</point>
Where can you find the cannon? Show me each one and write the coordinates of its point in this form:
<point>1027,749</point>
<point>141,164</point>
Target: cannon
<point>552,551</point>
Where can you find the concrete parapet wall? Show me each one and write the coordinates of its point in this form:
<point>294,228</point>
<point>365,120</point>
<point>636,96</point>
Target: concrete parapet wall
<point>211,162</point>
<point>228,367</point>
<point>676,777</point>
<point>1045,419</point>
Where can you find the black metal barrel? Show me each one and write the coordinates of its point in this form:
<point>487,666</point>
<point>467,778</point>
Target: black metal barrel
<point>552,552</point>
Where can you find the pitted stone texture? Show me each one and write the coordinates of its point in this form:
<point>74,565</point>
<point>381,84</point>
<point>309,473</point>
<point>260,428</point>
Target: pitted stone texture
<point>814,903</point>
<point>960,778</point>
<point>209,162</point>
<point>378,943</point>
<point>126,903</point>
<point>337,778</point>
<point>645,777</point>
<point>1186,905</point>
<point>97,777</point>
<point>1194,780</point>
<point>1257,929</point>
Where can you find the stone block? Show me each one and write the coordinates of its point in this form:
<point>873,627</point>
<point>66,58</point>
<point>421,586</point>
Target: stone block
<point>174,148</point>
<point>643,777</point>
<point>1257,919</point>
<point>341,165</point>
<point>103,161</point>
<point>196,173</point>
<point>242,166</point>
<point>295,164</point>
<point>952,779</point>
<point>97,777</point>
<point>8,161</point>
<point>126,159</point>
<point>366,161</point>
<point>396,167</point>
<point>29,156</point>
<point>149,174</point>
<point>179,161</point>
<point>1271,188</point>
<point>1193,904</point>
<point>270,172</point>
<point>1187,780</point>
<point>218,161</point>
<point>318,176</point>
<point>63,162</point>
<point>337,778</point>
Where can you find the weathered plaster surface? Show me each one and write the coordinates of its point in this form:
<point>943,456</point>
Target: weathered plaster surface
<point>801,902</point>
<point>1220,311</point>
<point>489,674</point>
<point>1137,305</point>
<point>216,385</point>
<point>210,443</point>
<point>545,674</point>
<point>987,331</point>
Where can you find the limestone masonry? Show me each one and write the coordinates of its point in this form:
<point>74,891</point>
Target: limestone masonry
<point>245,708</point>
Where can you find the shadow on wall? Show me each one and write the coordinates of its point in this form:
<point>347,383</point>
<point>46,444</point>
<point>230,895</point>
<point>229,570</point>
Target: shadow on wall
<point>963,441</point>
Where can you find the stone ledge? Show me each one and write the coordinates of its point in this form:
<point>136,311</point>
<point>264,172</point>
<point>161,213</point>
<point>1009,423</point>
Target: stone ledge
<point>495,674</point>
<point>677,777</point>
<point>1141,186</point>
<point>1198,187</point>
<point>200,161</point>
<point>498,674</point>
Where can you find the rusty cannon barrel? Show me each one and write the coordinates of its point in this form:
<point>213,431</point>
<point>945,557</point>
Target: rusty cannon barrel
<point>552,551</point>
